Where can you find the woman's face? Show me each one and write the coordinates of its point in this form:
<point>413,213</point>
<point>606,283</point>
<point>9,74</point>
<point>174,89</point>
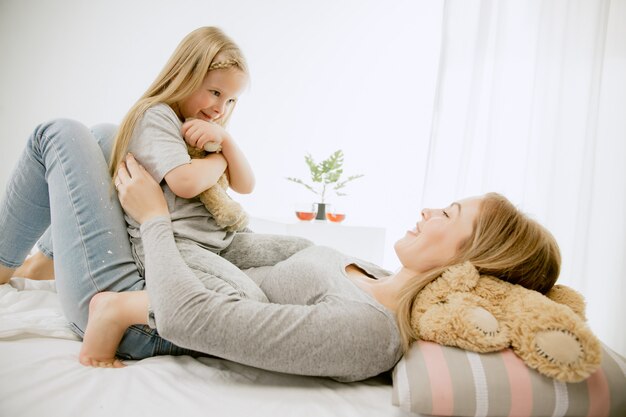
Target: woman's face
<point>216,95</point>
<point>437,236</point>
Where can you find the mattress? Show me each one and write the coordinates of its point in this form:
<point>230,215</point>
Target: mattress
<point>40,376</point>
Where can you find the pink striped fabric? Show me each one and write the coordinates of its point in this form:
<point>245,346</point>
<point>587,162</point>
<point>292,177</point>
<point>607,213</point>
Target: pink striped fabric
<point>439,380</point>
<point>520,385</point>
<point>599,400</point>
<point>439,376</point>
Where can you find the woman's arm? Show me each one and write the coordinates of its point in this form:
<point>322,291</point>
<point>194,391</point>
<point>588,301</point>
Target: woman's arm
<point>138,193</point>
<point>327,339</point>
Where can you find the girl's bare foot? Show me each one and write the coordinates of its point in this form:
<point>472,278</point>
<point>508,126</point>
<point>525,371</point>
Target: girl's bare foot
<point>37,266</point>
<point>105,328</point>
<point>110,314</point>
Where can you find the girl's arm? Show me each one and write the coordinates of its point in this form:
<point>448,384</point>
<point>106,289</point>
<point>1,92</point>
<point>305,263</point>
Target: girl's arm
<point>157,142</point>
<point>198,133</point>
<point>189,180</point>
<point>240,173</point>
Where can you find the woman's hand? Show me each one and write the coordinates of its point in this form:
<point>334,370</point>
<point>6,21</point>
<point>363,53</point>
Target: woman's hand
<point>139,194</point>
<point>198,133</point>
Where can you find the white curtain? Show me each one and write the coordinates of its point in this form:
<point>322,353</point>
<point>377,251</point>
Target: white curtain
<point>531,102</point>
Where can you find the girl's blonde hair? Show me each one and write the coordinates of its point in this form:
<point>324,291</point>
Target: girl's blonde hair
<point>505,243</point>
<point>182,75</point>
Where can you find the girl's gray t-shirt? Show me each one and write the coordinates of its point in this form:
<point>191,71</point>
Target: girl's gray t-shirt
<point>157,143</point>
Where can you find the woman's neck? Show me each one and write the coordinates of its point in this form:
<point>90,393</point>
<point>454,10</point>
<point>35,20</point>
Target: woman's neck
<point>387,290</point>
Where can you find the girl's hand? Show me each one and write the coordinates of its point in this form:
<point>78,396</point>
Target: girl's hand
<point>198,133</point>
<point>139,194</point>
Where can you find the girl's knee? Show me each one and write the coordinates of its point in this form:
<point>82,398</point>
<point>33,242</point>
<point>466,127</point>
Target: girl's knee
<point>301,243</point>
<point>290,245</point>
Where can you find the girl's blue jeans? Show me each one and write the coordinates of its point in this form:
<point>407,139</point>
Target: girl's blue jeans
<point>60,191</point>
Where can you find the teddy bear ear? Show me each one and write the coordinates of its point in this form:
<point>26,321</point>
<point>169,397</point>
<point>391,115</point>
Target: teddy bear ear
<point>461,277</point>
<point>456,278</point>
<point>565,295</point>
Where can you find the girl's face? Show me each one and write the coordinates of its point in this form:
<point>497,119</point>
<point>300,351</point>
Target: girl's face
<point>436,238</point>
<point>215,97</point>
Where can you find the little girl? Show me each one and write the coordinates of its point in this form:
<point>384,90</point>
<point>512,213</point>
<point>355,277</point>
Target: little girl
<point>190,102</point>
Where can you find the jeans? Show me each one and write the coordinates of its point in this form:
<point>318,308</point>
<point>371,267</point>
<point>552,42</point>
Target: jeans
<point>61,181</point>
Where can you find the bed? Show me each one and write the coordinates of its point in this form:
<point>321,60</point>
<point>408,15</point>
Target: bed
<point>40,376</point>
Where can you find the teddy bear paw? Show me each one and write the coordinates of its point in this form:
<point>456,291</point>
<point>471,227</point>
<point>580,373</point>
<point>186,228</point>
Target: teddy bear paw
<point>239,225</point>
<point>229,214</point>
<point>558,345</point>
<point>226,219</point>
<point>483,320</point>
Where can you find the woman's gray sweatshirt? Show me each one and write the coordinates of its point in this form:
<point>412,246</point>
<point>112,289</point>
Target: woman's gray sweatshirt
<point>318,322</point>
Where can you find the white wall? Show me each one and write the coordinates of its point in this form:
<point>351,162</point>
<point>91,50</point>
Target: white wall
<point>353,75</point>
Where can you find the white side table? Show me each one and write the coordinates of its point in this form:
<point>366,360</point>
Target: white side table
<point>367,243</point>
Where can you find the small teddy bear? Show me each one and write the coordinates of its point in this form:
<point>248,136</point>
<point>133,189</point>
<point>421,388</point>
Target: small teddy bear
<point>227,212</point>
<point>485,314</point>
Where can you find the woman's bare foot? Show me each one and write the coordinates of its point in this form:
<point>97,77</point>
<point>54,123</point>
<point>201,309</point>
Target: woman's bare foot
<point>37,266</point>
<point>105,328</point>
<point>5,274</point>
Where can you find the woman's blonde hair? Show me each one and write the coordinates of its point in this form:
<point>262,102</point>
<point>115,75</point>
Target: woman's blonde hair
<point>505,243</point>
<point>182,75</point>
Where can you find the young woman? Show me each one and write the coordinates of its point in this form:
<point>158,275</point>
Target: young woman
<point>339,317</point>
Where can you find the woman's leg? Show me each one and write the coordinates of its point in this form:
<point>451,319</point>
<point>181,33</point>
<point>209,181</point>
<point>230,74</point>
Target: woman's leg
<point>62,179</point>
<point>41,265</point>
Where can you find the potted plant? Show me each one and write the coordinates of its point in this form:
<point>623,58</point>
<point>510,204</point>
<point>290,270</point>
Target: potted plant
<point>326,178</point>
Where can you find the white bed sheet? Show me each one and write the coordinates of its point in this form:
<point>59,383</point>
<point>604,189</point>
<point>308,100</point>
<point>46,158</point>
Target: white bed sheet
<point>40,376</point>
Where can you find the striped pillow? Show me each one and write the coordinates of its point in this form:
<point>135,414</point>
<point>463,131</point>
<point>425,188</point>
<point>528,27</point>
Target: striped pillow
<point>445,381</point>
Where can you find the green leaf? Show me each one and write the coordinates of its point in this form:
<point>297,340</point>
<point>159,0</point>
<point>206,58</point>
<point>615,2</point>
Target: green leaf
<point>327,172</point>
<point>307,186</point>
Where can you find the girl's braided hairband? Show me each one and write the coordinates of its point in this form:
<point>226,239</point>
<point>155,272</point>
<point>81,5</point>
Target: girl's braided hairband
<point>223,64</point>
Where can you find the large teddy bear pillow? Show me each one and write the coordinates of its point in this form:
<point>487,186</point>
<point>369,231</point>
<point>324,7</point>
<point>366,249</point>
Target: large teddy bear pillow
<point>484,314</point>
